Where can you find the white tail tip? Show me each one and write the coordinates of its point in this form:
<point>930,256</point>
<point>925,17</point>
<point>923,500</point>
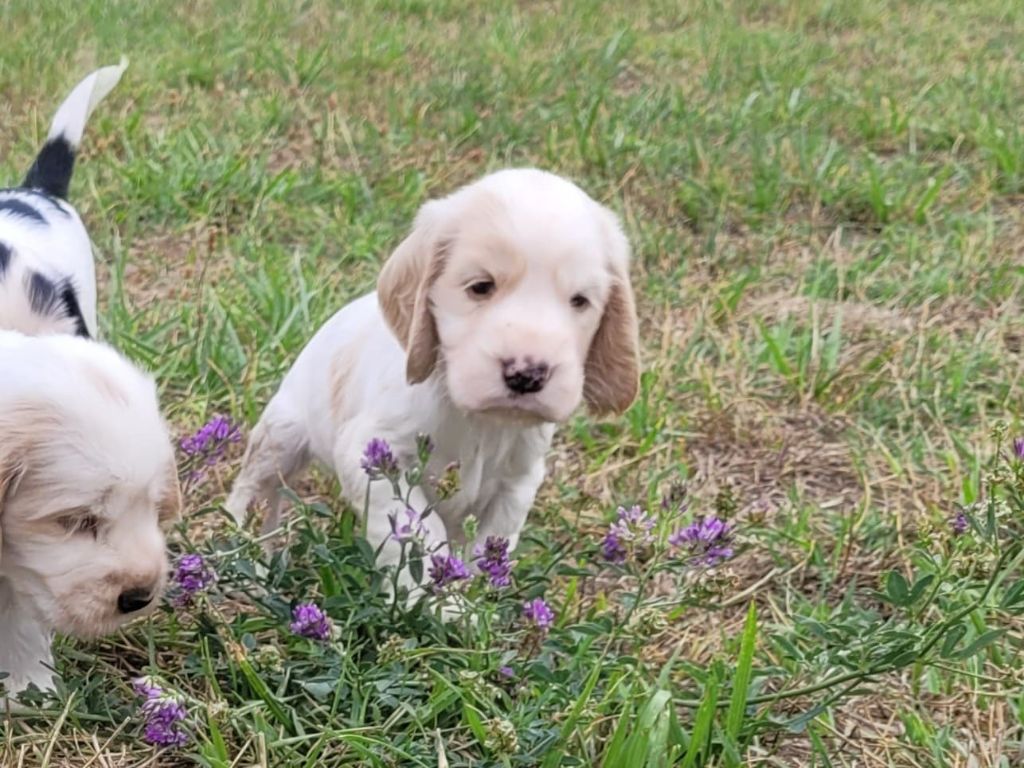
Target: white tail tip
<point>73,114</point>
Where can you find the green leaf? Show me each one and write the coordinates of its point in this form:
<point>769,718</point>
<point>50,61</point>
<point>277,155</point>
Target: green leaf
<point>702,723</point>
<point>277,709</point>
<point>902,658</point>
<point>416,564</point>
<point>741,680</point>
<point>920,586</point>
<point>554,756</point>
<point>215,750</point>
<point>648,743</point>
<point>798,723</point>
<point>1013,595</point>
<point>474,722</point>
<point>616,746</point>
<point>775,351</point>
<point>980,644</point>
<point>953,637</point>
<point>679,739</point>
<point>896,589</point>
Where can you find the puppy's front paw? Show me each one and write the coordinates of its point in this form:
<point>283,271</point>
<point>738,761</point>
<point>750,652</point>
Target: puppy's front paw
<point>453,608</point>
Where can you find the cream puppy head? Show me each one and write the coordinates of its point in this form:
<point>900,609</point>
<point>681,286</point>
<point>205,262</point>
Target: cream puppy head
<point>87,482</point>
<point>518,287</point>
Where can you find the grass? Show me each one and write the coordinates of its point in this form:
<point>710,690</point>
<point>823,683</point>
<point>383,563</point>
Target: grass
<point>824,202</point>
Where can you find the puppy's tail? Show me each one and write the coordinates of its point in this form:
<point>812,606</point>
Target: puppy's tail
<point>51,171</point>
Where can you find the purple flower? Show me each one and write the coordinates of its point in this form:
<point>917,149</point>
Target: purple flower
<point>146,687</point>
<point>410,530</point>
<point>634,524</point>
<point>446,569</point>
<point>707,540</point>
<point>378,460</point>
<point>164,715</point>
<point>309,620</point>
<point>1018,448</point>
<point>612,548</point>
<point>538,613</point>
<point>960,523</point>
<point>506,672</point>
<point>493,560</point>
<point>632,527</point>
<point>211,440</point>
<point>192,575</point>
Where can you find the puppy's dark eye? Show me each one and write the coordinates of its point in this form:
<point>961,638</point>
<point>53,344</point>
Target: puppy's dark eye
<point>579,301</point>
<point>80,523</point>
<point>481,289</point>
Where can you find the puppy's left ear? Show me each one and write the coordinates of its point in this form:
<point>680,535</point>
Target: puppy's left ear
<point>612,372</point>
<point>169,507</point>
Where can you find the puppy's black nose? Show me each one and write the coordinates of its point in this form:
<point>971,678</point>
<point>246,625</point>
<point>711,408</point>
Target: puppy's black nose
<point>525,379</point>
<point>132,600</point>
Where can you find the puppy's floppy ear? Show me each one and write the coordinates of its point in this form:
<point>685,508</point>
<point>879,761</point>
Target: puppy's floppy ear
<point>10,472</point>
<point>612,373</point>
<point>403,287</point>
<point>169,507</point>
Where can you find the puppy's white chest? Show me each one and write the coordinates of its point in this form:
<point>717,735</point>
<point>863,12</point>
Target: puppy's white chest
<point>488,466</point>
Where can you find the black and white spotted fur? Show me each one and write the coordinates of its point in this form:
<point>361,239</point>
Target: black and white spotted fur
<point>47,274</point>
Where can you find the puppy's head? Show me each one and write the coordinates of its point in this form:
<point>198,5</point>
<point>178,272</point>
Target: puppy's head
<point>518,286</point>
<point>87,483</point>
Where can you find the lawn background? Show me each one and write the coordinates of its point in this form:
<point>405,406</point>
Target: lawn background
<point>824,200</point>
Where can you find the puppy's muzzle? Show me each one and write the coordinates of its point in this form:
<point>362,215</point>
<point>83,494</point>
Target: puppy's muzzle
<point>525,378</point>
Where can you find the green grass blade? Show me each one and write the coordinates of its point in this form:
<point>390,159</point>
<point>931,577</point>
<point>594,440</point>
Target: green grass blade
<point>741,680</point>
<point>703,721</point>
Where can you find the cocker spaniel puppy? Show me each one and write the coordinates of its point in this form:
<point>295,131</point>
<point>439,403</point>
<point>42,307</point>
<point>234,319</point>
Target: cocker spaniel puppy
<point>87,482</point>
<point>507,305</point>
<point>47,276</point>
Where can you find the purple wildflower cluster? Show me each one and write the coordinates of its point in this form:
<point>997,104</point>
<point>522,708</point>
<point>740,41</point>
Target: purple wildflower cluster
<point>960,523</point>
<point>211,440</point>
<point>310,621</point>
<point>493,560</point>
<point>632,528</point>
<point>164,715</point>
<point>446,570</point>
<point>1018,448</point>
<point>707,540</point>
<point>192,575</point>
<point>378,460</point>
<point>538,614</point>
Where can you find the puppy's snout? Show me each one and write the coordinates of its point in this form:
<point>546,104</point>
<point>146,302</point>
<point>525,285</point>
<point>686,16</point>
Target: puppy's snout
<point>526,377</point>
<point>134,599</point>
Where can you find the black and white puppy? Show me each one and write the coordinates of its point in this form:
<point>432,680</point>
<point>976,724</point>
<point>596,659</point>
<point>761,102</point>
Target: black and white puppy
<point>47,274</point>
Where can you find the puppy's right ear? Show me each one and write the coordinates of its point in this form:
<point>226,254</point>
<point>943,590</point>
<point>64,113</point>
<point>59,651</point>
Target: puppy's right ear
<point>403,290</point>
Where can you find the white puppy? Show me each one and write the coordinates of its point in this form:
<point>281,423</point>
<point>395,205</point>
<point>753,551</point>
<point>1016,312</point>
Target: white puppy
<point>47,276</point>
<point>507,304</point>
<point>87,480</point>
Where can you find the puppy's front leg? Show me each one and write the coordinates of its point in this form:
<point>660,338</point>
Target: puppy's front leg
<point>24,647</point>
<point>380,534</point>
<point>275,453</point>
<point>382,504</point>
<point>506,515</point>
